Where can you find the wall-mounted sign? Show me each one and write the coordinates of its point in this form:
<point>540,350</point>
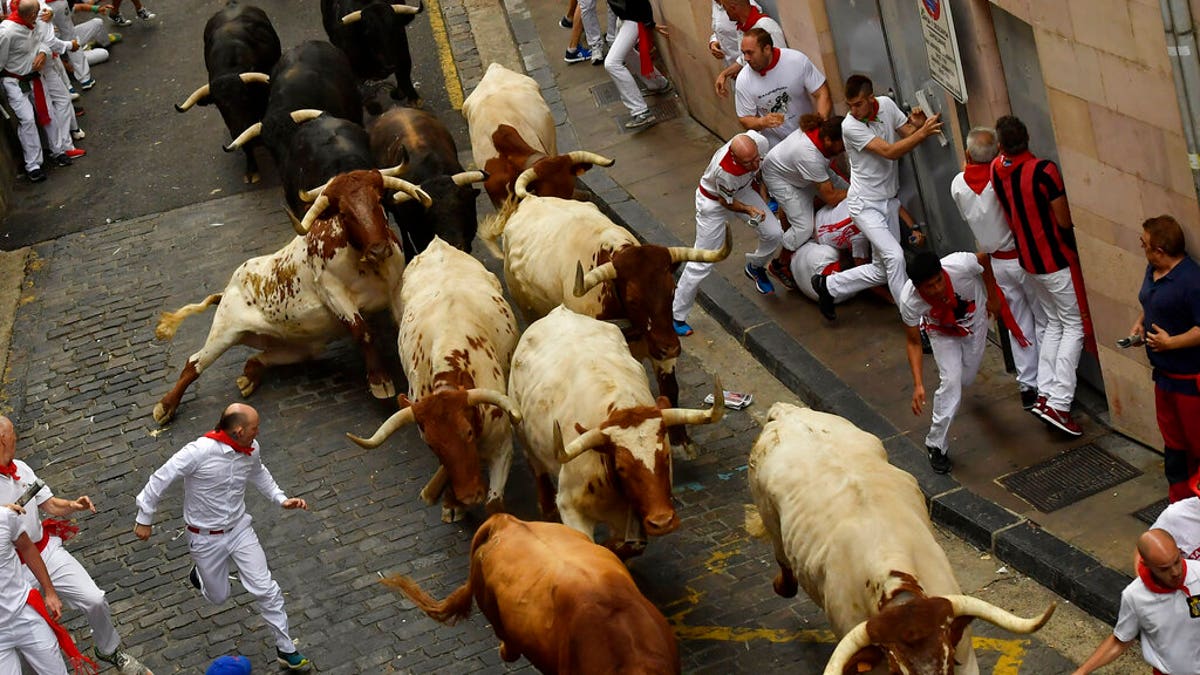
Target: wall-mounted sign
<point>941,47</point>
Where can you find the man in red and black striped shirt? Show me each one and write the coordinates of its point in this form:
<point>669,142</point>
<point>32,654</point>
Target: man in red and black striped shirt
<point>1031,193</point>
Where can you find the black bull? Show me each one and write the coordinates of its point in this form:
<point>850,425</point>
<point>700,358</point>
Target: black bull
<point>372,34</point>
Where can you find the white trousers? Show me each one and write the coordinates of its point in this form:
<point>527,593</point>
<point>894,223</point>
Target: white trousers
<point>62,113</point>
<point>622,62</point>
<point>1061,344</point>
<point>212,554</point>
<point>30,636</point>
<point>76,587</point>
<point>797,205</point>
<point>591,26</point>
<point>710,234</point>
<point>1028,313</point>
<point>65,28</point>
<point>92,30</point>
<point>27,131</point>
<point>958,360</point>
<point>55,66</point>
<point>879,222</point>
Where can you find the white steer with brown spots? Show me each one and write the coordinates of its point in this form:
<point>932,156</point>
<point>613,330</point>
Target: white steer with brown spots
<point>590,420</point>
<point>457,335</point>
<point>854,531</point>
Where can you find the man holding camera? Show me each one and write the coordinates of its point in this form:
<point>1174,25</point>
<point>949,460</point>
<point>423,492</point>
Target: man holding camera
<point>1170,328</point>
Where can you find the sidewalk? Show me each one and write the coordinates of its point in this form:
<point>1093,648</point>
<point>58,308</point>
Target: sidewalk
<point>1082,550</point>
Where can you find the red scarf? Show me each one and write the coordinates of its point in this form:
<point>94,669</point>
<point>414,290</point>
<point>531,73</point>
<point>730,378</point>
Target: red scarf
<point>732,167</point>
<point>80,663</point>
<point>874,112</point>
<point>222,437</point>
<point>10,470</point>
<point>814,135</point>
<point>751,19</point>
<point>645,42</point>
<point>1152,583</point>
<point>40,108</point>
<point>16,18</point>
<point>941,310</point>
<point>977,176</point>
<point>774,60</point>
<point>1007,318</point>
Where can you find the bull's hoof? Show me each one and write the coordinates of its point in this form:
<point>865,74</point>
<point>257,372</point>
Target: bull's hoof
<point>251,178</point>
<point>453,514</point>
<point>161,414</point>
<point>246,386</point>
<point>508,654</point>
<point>687,450</point>
<point>383,389</point>
<point>785,585</point>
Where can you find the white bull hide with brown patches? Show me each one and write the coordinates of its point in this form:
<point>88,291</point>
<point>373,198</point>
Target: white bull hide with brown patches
<point>506,97</point>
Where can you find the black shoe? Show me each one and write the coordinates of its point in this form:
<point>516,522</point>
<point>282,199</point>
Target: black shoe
<point>194,577</point>
<point>36,175</point>
<point>1029,397</point>
<point>824,299</point>
<point>566,22</point>
<point>939,460</point>
<point>61,160</point>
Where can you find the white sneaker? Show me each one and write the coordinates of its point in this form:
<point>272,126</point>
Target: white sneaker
<point>641,120</point>
<point>145,14</point>
<point>78,134</point>
<point>74,94</point>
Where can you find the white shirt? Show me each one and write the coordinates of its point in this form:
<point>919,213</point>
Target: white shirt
<point>811,258</point>
<point>1170,634</point>
<point>214,484</point>
<point>966,276</point>
<point>726,34</point>
<point>31,522</point>
<point>718,180</point>
<point>833,226</point>
<point>983,214</point>
<point>786,86</point>
<point>797,161</point>
<point>1182,521</point>
<point>14,590</point>
<point>18,46</point>
<point>872,177</point>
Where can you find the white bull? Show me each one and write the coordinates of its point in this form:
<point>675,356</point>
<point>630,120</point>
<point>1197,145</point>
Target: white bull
<point>457,335</point>
<point>854,531</point>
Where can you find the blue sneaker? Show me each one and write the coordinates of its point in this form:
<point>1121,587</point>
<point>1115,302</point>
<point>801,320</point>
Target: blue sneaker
<point>759,275</point>
<point>682,329</point>
<point>577,55</point>
<point>293,661</point>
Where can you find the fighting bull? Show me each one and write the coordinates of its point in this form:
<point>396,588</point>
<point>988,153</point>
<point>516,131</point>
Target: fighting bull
<point>853,530</point>
<point>424,145</point>
<point>288,304</point>
<point>566,252</point>
<point>456,341</point>
<point>372,34</point>
<point>568,605</point>
<point>240,50</point>
<point>589,419</point>
<point>512,130</point>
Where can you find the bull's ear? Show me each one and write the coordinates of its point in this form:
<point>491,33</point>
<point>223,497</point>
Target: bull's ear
<point>579,428</point>
<point>663,402</point>
<point>958,627</point>
<point>864,660</point>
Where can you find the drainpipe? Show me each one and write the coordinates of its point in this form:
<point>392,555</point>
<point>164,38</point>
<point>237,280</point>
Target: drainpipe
<point>1181,47</point>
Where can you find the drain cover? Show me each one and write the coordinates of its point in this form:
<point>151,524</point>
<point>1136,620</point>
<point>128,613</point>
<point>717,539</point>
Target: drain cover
<point>1068,478</point>
<point>1149,514</point>
<point>605,93</point>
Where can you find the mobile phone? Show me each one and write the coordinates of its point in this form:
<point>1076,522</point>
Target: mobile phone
<point>34,488</point>
<point>1131,341</point>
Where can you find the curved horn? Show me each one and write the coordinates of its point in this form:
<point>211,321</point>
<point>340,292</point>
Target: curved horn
<point>305,114</point>
<point>965,605</point>
<point>193,99</point>
<point>311,216</point>
<point>849,645</point>
<point>405,9</point>
<point>588,440</point>
<point>400,167</point>
<point>581,156</point>
<point>674,416</point>
<point>583,284</point>
<point>310,195</point>
<point>468,177</point>
<point>406,191</point>
<point>351,18</point>
<point>477,396</point>
<point>245,137</point>
<point>688,254</point>
<point>389,427</point>
<point>250,77</point>
<point>520,188</point>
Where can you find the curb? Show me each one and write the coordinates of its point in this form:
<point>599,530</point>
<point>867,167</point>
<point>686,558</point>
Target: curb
<point>1019,542</point>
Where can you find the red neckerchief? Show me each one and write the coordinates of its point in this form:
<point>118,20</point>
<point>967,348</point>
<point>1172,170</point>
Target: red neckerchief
<point>16,18</point>
<point>10,470</point>
<point>222,437</point>
<point>80,663</point>
<point>941,310</point>
<point>751,19</point>
<point>874,112</point>
<point>645,40</point>
<point>1152,583</point>
<point>814,135</point>
<point>977,176</point>
<point>731,166</point>
<point>774,60</point>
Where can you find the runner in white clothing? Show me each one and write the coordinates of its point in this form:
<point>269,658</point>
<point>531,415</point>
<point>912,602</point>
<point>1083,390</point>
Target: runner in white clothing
<point>1182,520</point>
<point>746,15</point>
<point>876,134</point>
<point>725,42</point>
<point>24,632</point>
<point>778,88</point>
<point>215,469</point>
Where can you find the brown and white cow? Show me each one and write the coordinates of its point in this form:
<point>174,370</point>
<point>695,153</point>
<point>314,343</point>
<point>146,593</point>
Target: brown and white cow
<point>457,335</point>
<point>566,252</point>
<point>576,383</point>
<point>290,303</point>
<point>854,532</point>
<point>568,605</point>
<point>512,130</point>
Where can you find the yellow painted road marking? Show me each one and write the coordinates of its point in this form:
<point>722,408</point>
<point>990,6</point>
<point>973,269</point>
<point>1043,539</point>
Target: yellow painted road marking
<point>449,71</point>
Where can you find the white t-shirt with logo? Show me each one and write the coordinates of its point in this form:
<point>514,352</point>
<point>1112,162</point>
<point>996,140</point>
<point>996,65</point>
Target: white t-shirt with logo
<point>1167,623</point>
<point>786,87</point>
<point>873,178</point>
<point>1182,521</point>
<point>983,214</point>
<point>966,276</point>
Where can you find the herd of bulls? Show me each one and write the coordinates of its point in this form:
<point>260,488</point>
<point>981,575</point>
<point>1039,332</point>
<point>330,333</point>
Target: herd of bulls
<point>571,386</point>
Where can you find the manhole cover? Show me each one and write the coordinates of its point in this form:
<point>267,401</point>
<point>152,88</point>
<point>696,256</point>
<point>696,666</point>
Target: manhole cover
<point>1149,514</point>
<point>605,93</point>
<point>1069,477</point>
<point>667,110</point>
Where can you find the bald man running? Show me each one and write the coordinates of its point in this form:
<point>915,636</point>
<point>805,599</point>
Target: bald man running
<point>215,469</point>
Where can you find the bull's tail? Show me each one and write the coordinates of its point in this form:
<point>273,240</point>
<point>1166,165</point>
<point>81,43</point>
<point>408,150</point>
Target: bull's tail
<point>456,606</point>
<point>168,322</point>
<point>754,523</point>
<point>492,227</point>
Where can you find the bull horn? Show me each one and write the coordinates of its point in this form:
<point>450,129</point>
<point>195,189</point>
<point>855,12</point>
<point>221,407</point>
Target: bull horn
<point>688,254</point>
<point>400,167</point>
<point>245,137</point>
<point>588,440</point>
<point>312,214</point>
<point>849,645</point>
<point>468,177</point>
<point>676,416</point>
<point>477,396</point>
<point>406,191</point>
<point>583,156</point>
<point>389,427</point>
<point>583,284</point>
<point>193,99</point>
<point>352,17</point>
<point>527,176</point>
<point>965,605</point>
<point>310,195</point>
<point>305,114</point>
<point>405,9</point>
<point>261,78</point>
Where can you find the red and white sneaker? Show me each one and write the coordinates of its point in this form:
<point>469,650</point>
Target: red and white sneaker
<point>75,153</point>
<point>1062,420</point>
<point>1039,407</point>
